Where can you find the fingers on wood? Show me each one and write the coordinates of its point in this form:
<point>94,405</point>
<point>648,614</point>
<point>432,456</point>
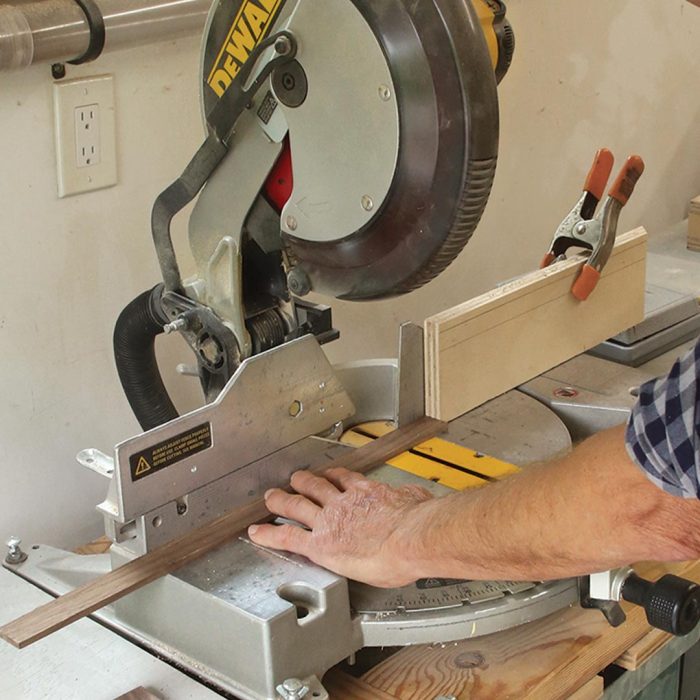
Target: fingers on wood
<point>292,506</point>
<point>343,478</point>
<point>316,488</point>
<point>289,538</point>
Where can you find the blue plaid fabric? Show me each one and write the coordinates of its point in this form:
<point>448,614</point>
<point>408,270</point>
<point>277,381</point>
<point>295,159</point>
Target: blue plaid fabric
<point>663,433</point>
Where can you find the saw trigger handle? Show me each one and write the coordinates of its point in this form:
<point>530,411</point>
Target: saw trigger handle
<point>672,604</point>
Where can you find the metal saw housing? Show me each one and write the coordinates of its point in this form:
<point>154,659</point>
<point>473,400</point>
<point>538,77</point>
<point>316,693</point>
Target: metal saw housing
<point>441,88</point>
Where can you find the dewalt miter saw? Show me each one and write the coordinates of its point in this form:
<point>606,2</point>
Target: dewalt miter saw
<point>351,149</point>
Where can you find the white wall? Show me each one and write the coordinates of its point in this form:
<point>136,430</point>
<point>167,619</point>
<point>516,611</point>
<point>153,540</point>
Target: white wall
<point>68,268</point>
<point>621,74</point>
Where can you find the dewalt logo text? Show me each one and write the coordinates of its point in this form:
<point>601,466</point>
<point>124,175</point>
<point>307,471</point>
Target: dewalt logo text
<point>249,28</point>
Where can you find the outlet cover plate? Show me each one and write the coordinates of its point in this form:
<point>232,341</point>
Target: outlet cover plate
<point>75,177</point>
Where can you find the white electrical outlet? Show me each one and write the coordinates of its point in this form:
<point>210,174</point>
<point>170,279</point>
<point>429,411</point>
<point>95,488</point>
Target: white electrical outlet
<point>85,134</point>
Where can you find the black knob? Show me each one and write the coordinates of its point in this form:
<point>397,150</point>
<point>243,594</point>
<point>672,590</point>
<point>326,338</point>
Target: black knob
<point>672,604</point>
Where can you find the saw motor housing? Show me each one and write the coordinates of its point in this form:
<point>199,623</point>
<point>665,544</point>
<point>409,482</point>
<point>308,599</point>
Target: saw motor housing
<point>351,150</point>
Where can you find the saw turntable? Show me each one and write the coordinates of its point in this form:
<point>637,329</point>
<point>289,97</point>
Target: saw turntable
<point>350,151</point>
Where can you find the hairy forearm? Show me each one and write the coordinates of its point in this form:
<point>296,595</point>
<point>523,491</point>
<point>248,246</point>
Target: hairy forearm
<point>591,511</point>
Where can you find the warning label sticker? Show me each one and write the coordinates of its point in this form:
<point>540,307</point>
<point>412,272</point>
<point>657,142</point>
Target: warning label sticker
<point>171,451</point>
<point>267,108</point>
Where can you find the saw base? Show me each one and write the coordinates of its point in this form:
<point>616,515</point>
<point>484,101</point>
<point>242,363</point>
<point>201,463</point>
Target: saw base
<point>244,617</point>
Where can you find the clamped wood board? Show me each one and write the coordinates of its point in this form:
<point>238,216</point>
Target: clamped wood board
<point>501,339</point>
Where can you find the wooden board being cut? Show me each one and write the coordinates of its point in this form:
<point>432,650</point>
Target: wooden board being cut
<point>495,342</point>
<point>694,225</point>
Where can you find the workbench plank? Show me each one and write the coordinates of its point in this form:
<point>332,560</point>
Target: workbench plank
<point>549,659</point>
<point>503,665</point>
<point>340,685</point>
<point>593,690</point>
<point>605,649</point>
<point>501,339</point>
<point>183,550</point>
<point>99,546</point>
<point>640,652</point>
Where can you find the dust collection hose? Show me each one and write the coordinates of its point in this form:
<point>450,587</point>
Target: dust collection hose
<point>135,355</point>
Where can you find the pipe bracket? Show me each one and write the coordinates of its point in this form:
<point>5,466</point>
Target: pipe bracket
<point>96,25</point>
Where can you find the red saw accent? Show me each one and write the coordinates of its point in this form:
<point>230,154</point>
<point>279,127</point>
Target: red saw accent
<point>280,182</point>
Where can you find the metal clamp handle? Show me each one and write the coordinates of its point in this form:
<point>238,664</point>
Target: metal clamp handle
<point>626,181</point>
<point>599,173</point>
<point>98,34</point>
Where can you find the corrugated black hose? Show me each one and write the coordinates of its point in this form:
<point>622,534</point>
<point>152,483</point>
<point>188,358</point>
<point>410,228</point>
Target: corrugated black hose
<point>134,351</point>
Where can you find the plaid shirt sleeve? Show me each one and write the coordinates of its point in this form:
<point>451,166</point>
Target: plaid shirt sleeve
<point>663,433</point>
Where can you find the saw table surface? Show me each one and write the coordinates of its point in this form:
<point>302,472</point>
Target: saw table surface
<point>558,657</point>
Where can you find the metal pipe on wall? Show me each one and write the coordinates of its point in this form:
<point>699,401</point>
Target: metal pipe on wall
<point>49,31</point>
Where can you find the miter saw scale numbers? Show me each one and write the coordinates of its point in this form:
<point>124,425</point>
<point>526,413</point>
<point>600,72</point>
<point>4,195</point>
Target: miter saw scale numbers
<point>433,594</point>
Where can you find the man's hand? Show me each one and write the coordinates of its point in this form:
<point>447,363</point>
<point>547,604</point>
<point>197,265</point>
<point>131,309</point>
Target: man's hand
<point>590,511</point>
<point>353,525</point>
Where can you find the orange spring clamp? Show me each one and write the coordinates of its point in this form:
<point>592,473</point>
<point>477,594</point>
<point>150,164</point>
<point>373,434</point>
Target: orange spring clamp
<point>583,229</point>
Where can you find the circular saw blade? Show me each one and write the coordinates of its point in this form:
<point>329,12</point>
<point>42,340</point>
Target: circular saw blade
<point>448,114</point>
